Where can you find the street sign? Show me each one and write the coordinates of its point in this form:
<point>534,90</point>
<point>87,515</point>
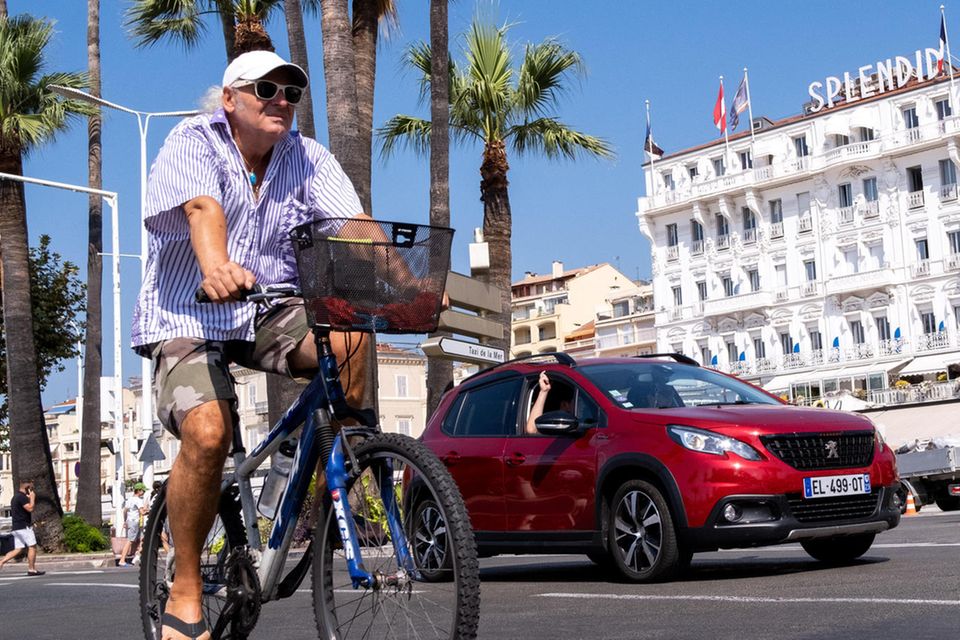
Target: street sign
<point>151,451</point>
<point>462,351</point>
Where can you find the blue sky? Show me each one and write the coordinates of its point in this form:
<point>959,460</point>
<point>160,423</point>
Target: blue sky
<point>580,213</point>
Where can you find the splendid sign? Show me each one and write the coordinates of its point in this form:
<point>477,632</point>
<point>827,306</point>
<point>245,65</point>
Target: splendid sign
<point>870,80</point>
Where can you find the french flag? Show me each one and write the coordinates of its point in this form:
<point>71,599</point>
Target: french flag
<point>720,112</point>
<point>943,44</point>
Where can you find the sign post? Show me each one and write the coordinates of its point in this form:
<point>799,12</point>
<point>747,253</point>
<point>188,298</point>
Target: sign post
<point>462,351</point>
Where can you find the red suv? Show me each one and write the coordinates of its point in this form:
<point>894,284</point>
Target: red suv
<point>642,462</point>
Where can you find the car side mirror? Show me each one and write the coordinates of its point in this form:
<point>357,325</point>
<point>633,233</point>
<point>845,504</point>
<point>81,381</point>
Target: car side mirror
<point>556,423</point>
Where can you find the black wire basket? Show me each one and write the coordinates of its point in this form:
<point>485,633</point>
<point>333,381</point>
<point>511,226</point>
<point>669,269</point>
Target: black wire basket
<point>371,275</point>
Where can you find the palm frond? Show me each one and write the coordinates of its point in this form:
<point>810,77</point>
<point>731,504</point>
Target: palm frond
<point>543,70</point>
<point>404,131</point>
<point>180,21</point>
<point>417,57</point>
<point>556,140</point>
<point>488,75</point>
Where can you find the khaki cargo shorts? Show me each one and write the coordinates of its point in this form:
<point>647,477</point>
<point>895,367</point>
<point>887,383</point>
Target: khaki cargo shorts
<point>188,372</point>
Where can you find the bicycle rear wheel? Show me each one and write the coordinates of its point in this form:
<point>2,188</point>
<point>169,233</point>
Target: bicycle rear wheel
<point>158,567</point>
<point>442,597</point>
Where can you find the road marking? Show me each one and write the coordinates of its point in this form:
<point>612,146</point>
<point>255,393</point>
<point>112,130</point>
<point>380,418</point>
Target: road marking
<point>752,599</point>
<point>119,585</point>
<point>889,545</point>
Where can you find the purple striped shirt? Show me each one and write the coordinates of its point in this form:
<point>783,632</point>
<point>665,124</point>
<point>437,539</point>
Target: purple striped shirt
<point>303,182</point>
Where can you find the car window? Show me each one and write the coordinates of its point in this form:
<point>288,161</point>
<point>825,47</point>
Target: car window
<point>490,410</point>
<point>666,385</point>
<point>588,413</point>
<point>450,420</point>
<point>563,394</point>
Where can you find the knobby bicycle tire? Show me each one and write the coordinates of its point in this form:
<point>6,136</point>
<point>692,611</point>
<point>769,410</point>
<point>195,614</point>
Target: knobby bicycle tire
<point>443,600</point>
<point>157,568</point>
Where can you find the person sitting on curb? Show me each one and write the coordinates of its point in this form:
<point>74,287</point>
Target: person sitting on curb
<point>134,510</point>
<point>21,514</point>
<point>564,403</point>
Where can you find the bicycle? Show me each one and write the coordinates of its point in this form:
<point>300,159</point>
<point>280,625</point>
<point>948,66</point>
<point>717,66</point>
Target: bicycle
<point>393,553</point>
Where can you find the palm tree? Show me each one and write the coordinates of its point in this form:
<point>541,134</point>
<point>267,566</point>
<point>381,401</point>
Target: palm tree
<point>297,41</point>
<point>439,370</point>
<point>30,114</point>
<point>495,104</point>
<point>88,481</point>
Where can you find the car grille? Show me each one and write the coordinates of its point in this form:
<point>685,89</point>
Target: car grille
<point>836,508</point>
<point>812,451</point>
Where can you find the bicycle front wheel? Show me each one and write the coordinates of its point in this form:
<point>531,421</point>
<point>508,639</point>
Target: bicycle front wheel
<point>441,597</point>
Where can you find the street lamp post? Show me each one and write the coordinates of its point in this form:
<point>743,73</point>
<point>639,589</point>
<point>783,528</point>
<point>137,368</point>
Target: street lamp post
<point>112,200</point>
<point>143,124</point>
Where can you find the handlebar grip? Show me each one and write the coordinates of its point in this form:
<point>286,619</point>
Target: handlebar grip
<point>201,296</point>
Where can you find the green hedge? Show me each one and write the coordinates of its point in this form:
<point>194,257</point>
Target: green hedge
<point>81,537</point>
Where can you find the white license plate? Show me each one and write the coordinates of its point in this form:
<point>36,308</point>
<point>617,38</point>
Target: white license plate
<point>826,486</point>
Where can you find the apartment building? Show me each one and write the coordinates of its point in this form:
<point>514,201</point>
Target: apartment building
<point>823,255</point>
<point>548,308</point>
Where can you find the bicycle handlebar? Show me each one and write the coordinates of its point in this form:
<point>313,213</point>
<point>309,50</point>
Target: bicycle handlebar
<point>258,293</point>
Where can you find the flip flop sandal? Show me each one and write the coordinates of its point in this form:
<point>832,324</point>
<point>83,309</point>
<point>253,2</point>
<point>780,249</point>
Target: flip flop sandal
<point>35,573</point>
<point>192,630</point>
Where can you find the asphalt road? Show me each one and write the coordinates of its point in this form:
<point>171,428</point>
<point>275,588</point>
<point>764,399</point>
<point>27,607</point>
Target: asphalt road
<point>907,586</point>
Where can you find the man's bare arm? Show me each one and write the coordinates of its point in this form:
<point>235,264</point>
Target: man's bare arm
<point>223,279</point>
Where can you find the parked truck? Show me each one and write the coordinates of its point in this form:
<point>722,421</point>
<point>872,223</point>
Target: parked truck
<point>931,476</point>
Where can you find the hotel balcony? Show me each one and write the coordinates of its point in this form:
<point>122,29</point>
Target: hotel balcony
<point>696,247</point>
<point>933,341</point>
<point>862,351</point>
<point>870,209</point>
<point>805,223</point>
<point>859,281</point>
<point>782,294</point>
<point>845,215</point>
<point>852,151</point>
<point>776,230</point>
<point>723,242</point>
<point>673,253</point>
<point>948,192</point>
<point>953,262</point>
<point>639,335</point>
<point>890,347</point>
<point>749,236</point>
<point>915,200</point>
<point>810,289</point>
<point>920,269</point>
<point>723,306</point>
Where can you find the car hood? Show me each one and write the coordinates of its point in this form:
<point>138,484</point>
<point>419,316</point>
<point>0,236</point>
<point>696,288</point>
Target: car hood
<point>759,419</point>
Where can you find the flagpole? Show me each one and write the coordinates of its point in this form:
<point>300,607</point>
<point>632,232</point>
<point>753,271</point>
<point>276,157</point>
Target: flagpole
<point>753,137</point>
<point>648,140</point>
<point>953,90</point>
<point>726,138</point>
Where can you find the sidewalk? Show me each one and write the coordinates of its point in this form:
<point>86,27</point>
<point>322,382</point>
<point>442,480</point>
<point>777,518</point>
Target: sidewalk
<point>61,562</point>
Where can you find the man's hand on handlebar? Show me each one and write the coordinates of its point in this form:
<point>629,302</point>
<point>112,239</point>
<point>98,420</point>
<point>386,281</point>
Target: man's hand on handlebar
<point>227,282</point>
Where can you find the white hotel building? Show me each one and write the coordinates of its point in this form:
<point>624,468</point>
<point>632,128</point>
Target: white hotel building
<point>823,256</point>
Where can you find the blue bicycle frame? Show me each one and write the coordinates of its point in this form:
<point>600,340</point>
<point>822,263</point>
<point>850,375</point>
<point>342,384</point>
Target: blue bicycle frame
<point>313,409</point>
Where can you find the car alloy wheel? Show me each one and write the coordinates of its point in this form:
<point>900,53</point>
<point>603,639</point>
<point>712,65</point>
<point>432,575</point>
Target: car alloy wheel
<point>642,538</point>
<point>429,541</point>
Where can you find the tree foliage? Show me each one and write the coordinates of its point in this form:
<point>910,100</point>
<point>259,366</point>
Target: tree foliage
<point>58,299</point>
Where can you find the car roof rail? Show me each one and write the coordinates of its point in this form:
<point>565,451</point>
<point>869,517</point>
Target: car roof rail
<point>679,357</point>
<point>559,356</point>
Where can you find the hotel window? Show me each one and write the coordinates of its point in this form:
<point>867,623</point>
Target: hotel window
<point>781,271</point>
<point>943,109</point>
<point>929,322</point>
<point>856,329</point>
<point>402,391</point>
<point>800,146</point>
<point>403,426</point>
<point>719,168</point>
<point>749,220</point>
<point>746,161</point>
<point>677,296</point>
<point>672,237</point>
<point>866,133</point>
<point>841,140</point>
<point>954,239</point>
<point>705,356</point>
<point>776,211</point>
<point>754,276</point>
<point>948,173</point>
<point>668,181</point>
<point>722,226</point>
<point>803,204</point>
<point>702,290</point>
<point>621,308</point>
<point>870,189</point>
<point>910,120</point>
<point>786,343</point>
<point>883,328</point>
<point>731,352</point>
<point>845,195</point>
<point>759,348</point>
<point>727,286</point>
<point>876,256</point>
<point>923,252</point>
<point>696,231</point>
<point>692,171</point>
<point>810,269</point>
<point>851,256</point>
<point>816,340</point>
<point>915,179</point>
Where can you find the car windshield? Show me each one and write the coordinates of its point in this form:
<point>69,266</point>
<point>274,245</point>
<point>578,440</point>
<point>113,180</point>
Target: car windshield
<point>667,385</point>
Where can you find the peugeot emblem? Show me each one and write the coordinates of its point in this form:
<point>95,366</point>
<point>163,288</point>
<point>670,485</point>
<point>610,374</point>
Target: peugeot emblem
<point>831,447</point>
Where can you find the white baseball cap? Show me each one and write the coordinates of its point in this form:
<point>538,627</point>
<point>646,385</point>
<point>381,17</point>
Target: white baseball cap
<point>253,65</point>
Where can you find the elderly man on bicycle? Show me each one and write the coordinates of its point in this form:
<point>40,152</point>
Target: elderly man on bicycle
<point>224,193</point>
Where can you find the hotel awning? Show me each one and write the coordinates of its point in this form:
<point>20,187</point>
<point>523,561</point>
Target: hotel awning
<point>931,363</point>
<point>837,126</point>
<point>783,381</point>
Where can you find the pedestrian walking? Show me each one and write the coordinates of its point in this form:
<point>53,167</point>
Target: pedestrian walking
<point>134,510</point>
<point>21,514</point>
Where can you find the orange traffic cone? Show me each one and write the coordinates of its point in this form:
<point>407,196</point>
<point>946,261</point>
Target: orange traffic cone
<point>911,506</point>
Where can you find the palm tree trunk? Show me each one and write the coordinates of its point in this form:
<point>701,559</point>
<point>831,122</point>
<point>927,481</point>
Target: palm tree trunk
<point>88,481</point>
<point>365,25</point>
<point>3,8</point>
<point>339,71</point>
<point>439,370</point>
<point>297,41</point>
<point>229,26</point>
<point>497,221</point>
<point>29,444</point>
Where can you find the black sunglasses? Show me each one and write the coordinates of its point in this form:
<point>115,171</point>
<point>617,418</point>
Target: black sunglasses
<point>267,90</point>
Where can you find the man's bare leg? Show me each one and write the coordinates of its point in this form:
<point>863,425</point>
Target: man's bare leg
<point>32,558</point>
<point>193,493</point>
<point>10,556</point>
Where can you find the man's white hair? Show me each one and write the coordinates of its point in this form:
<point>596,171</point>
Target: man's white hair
<point>212,99</point>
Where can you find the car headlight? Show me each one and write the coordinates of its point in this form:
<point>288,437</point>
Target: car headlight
<point>879,438</point>
<point>709,442</point>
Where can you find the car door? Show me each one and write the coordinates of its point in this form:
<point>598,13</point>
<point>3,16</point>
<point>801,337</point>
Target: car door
<point>474,452</point>
<point>549,481</point>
